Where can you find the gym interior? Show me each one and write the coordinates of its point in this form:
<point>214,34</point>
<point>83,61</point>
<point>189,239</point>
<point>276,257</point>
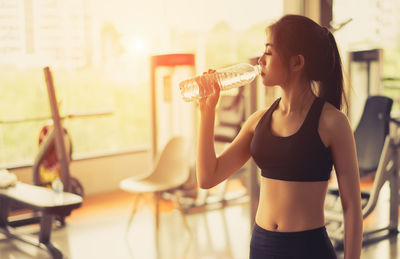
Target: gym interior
<point>98,148</point>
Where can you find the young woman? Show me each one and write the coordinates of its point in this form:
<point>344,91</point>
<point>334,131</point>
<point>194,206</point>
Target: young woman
<point>295,142</point>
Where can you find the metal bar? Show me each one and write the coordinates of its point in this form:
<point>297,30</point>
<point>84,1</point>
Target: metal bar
<point>394,193</point>
<point>157,212</point>
<point>380,178</point>
<point>368,78</point>
<point>157,197</point>
<point>179,206</point>
<point>59,132</point>
<point>45,228</point>
<point>153,106</point>
<point>55,253</point>
<point>20,120</point>
<point>392,87</point>
<point>68,116</point>
<point>375,231</point>
<point>134,209</point>
<point>391,79</point>
<point>4,211</point>
<point>24,219</point>
<point>10,232</point>
<point>87,114</point>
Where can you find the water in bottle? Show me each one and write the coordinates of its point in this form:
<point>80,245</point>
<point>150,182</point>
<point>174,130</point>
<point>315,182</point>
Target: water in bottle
<point>227,78</point>
<point>58,188</point>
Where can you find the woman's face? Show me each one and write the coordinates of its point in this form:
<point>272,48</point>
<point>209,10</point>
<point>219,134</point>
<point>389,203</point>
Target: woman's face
<point>273,70</point>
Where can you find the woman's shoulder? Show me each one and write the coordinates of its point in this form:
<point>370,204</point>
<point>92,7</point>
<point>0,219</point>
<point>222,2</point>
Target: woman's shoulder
<point>253,120</point>
<point>333,122</point>
<point>331,116</point>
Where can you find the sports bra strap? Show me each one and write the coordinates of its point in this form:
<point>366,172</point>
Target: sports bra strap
<point>312,120</point>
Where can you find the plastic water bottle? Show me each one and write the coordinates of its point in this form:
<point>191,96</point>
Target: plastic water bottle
<point>58,188</point>
<point>227,78</point>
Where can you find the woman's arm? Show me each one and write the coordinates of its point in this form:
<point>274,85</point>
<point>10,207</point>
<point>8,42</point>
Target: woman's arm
<point>211,169</point>
<point>206,160</point>
<point>346,166</point>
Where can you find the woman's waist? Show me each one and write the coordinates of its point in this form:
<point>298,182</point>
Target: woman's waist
<point>290,216</point>
<point>291,225</point>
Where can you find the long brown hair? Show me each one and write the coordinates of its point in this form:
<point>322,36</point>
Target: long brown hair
<point>296,34</point>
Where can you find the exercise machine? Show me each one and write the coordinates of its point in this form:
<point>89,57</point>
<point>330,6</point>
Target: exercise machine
<point>45,204</point>
<point>372,136</point>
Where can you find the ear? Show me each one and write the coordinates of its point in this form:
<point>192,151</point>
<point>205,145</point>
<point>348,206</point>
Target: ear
<point>297,62</point>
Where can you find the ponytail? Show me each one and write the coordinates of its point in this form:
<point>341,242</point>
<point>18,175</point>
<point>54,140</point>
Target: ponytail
<point>331,85</point>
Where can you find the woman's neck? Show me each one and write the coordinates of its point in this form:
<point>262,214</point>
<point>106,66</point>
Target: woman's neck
<point>296,98</point>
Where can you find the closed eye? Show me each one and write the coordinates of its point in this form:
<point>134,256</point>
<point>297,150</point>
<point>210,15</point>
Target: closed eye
<point>267,53</point>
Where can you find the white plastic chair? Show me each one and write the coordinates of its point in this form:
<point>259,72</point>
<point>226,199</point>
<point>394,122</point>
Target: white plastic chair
<point>170,172</point>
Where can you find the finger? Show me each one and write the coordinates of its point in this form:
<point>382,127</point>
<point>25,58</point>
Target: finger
<point>205,86</point>
<point>217,88</point>
<point>199,82</point>
<point>208,84</point>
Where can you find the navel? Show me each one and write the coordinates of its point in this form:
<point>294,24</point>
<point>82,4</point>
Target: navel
<point>275,226</point>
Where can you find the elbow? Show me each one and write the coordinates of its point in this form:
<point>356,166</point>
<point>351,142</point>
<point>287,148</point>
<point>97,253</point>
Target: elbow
<point>205,178</point>
<point>202,179</point>
<point>203,184</point>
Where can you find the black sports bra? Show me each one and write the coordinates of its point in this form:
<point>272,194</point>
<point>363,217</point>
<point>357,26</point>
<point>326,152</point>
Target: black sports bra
<point>300,157</point>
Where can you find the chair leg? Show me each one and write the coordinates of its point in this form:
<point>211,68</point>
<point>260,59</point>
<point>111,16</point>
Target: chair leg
<point>180,208</point>
<point>135,203</point>
<point>222,190</point>
<point>394,198</point>
<point>157,216</point>
<point>201,197</point>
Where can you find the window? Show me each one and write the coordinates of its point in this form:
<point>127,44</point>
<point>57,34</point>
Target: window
<point>377,26</point>
<point>100,64</point>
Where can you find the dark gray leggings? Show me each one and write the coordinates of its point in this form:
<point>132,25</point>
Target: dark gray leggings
<point>310,244</point>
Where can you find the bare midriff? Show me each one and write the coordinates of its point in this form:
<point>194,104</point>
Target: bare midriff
<point>288,206</point>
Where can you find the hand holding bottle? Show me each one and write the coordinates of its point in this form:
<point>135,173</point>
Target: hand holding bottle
<point>227,78</point>
<point>209,88</point>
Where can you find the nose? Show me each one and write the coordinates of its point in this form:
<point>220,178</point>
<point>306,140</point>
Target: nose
<point>261,60</point>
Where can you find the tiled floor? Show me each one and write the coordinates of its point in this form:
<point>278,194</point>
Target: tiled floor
<point>98,230</point>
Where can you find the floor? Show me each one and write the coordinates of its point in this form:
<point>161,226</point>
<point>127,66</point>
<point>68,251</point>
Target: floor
<point>99,230</point>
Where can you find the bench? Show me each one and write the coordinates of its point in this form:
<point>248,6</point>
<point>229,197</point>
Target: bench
<point>43,200</point>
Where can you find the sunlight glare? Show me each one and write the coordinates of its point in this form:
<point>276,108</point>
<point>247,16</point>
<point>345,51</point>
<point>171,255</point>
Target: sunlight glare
<point>137,45</point>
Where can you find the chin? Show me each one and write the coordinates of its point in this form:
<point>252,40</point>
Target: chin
<point>268,83</point>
